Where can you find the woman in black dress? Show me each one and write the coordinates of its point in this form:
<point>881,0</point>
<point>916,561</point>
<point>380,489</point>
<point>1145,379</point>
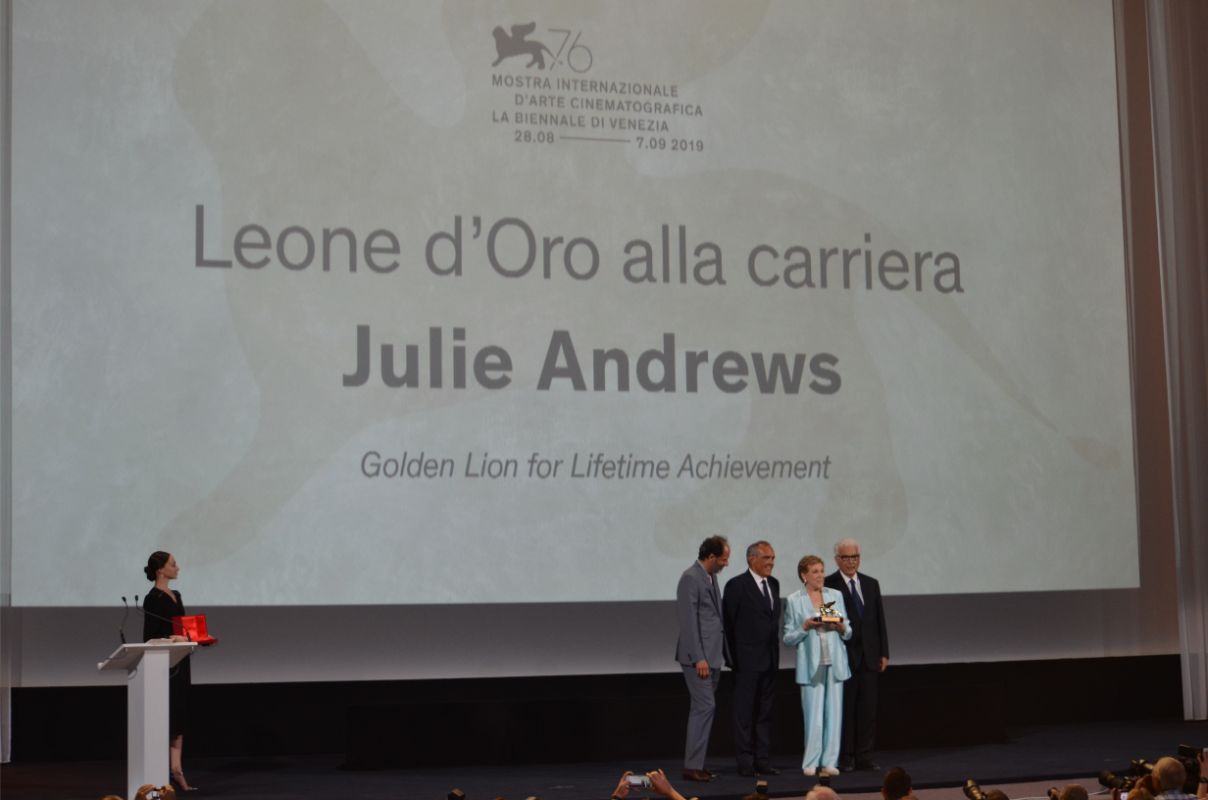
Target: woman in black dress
<point>161,605</point>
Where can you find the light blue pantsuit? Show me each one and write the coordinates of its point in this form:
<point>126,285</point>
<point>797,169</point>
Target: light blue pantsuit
<point>822,708</point>
<point>821,685</point>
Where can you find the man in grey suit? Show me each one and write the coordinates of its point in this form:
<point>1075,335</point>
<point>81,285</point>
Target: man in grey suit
<point>701,649</point>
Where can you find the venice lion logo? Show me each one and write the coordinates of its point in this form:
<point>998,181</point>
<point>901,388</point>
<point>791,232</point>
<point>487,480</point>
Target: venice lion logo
<point>516,44</point>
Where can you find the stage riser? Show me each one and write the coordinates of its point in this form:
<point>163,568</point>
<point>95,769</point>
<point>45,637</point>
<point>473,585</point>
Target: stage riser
<point>585,718</point>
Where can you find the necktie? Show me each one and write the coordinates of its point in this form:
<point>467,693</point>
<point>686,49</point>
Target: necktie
<point>766,595</point>
<point>855,598</point>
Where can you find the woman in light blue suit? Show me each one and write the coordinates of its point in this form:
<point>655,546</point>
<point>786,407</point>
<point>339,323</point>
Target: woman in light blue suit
<point>821,664</point>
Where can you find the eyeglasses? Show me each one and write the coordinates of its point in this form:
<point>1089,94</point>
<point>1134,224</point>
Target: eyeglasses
<point>856,557</point>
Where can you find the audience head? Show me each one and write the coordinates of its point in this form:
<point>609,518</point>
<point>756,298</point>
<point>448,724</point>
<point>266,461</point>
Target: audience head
<point>821,792</point>
<point>896,784</point>
<point>996,794</point>
<point>1169,773</point>
<point>1073,791</point>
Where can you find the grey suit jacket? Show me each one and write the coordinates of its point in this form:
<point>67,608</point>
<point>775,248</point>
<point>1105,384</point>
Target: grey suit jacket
<point>698,608</point>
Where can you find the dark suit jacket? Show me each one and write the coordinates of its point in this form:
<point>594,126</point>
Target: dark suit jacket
<point>869,641</point>
<point>752,626</point>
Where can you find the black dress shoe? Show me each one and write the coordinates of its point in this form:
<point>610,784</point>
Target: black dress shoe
<point>868,764</point>
<point>746,772</point>
<point>701,775</point>
<point>847,766</point>
<point>766,769</point>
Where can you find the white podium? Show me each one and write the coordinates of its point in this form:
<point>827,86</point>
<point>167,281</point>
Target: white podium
<point>146,667</point>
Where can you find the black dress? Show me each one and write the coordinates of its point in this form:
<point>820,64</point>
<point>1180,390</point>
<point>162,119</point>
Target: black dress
<point>167,605</point>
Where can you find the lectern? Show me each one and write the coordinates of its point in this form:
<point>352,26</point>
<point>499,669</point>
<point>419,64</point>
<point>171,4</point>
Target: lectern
<point>146,667</point>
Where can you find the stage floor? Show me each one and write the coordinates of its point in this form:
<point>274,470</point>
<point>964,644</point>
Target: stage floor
<point>1031,760</point>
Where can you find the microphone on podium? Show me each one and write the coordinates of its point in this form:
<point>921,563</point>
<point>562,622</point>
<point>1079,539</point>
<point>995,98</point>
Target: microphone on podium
<point>121,629</point>
<point>147,613</point>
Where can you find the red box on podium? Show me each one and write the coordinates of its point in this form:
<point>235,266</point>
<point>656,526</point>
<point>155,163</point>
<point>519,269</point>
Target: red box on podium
<point>193,628</point>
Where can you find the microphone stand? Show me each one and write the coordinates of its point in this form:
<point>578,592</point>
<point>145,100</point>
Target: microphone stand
<point>147,613</point>
<point>121,629</point>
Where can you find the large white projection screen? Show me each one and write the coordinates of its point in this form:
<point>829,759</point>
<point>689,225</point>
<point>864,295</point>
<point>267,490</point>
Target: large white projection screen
<point>351,303</point>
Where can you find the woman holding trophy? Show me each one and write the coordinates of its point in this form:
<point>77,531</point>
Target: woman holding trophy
<point>815,622</point>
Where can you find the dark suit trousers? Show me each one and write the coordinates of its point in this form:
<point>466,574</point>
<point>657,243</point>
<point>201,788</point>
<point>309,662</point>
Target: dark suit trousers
<point>753,694</point>
<point>859,714</point>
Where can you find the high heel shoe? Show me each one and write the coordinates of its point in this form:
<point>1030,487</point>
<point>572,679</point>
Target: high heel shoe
<point>180,784</point>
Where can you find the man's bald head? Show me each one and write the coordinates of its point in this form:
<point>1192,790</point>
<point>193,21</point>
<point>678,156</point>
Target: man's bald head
<point>1169,773</point>
<point>822,793</point>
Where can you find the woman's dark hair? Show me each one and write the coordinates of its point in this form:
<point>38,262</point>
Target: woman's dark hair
<point>155,562</point>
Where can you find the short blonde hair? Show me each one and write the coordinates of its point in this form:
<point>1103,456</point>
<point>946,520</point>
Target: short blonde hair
<point>806,562</point>
<point>1168,774</point>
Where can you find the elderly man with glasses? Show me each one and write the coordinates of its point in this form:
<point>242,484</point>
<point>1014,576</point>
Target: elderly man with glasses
<point>867,655</point>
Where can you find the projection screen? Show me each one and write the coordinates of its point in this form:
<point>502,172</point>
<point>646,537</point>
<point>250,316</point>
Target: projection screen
<point>442,303</point>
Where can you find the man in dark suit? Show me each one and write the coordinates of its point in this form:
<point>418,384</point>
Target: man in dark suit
<point>701,647</point>
<point>867,654</point>
<point>752,618</point>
